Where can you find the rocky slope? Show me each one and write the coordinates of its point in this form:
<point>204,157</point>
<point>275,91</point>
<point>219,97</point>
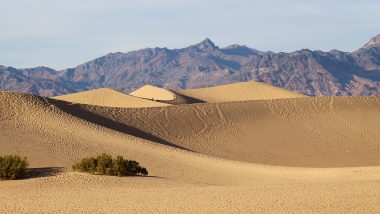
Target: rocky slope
<point>205,64</point>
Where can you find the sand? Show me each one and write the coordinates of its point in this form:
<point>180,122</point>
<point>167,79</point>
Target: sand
<point>108,97</point>
<point>72,192</point>
<point>239,92</point>
<point>163,95</point>
<point>306,132</point>
<point>154,93</point>
<point>298,155</point>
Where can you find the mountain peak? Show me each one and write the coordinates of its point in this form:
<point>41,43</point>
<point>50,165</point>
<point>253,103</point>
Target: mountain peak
<point>207,41</point>
<point>205,44</point>
<point>375,41</point>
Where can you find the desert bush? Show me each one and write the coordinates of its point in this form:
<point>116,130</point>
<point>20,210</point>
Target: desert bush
<point>105,165</point>
<point>12,167</point>
<point>86,165</point>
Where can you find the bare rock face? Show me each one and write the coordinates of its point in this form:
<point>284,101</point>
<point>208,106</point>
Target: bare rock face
<point>40,81</point>
<point>375,41</point>
<point>205,64</point>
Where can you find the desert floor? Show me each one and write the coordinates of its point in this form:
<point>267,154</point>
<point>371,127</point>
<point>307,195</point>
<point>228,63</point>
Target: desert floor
<point>207,151</point>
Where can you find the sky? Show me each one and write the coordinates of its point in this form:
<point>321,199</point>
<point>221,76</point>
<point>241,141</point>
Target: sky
<point>65,33</point>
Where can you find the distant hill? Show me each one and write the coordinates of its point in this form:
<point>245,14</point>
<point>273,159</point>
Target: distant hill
<point>204,65</point>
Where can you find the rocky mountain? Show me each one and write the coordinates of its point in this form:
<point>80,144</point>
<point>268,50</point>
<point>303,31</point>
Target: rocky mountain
<point>39,80</point>
<point>205,64</point>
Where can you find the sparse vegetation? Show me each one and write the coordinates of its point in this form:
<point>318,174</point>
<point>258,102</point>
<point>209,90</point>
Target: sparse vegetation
<point>105,165</point>
<point>12,167</point>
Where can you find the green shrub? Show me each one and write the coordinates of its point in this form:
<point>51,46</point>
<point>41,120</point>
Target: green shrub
<point>12,167</point>
<point>105,165</point>
<point>86,165</point>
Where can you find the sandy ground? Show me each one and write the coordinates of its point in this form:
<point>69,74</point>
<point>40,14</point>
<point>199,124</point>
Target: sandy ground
<point>299,155</point>
<point>73,192</point>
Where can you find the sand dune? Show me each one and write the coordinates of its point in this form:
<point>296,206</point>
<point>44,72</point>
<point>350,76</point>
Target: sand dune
<point>108,97</point>
<point>154,93</point>
<point>163,95</point>
<point>311,132</point>
<point>214,151</point>
<point>239,92</point>
<point>47,133</point>
<point>242,91</point>
<point>308,132</point>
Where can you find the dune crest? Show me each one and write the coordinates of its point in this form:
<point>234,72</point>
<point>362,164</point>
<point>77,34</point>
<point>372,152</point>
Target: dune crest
<point>305,132</point>
<point>108,97</point>
<point>255,156</point>
<point>154,93</point>
<point>239,92</point>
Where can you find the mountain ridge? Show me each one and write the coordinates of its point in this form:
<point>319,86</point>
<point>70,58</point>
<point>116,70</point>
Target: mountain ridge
<point>205,64</point>
<point>375,41</point>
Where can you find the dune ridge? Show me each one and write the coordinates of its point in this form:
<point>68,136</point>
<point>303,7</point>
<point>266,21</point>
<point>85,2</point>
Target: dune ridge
<point>163,95</point>
<point>154,93</point>
<point>108,97</point>
<point>310,131</point>
<point>271,156</point>
<point>303,130</point>
<point>241,91</point>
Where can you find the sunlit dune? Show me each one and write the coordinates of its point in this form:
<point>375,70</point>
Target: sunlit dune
<point>154,93</point>
<point>108,97</point>
<point>239,92</point>
<point>264,151</point>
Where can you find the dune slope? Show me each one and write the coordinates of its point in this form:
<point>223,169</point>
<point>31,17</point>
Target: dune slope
<point>108,97</point>
<point>53,133</point>
<point>163,95</point>
<point>154,93</point>
<point>47,133</point>
<point>239,92</point>
<point>310,131</point>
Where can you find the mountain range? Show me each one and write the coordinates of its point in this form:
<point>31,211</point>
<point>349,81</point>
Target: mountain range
<point>204,64</point>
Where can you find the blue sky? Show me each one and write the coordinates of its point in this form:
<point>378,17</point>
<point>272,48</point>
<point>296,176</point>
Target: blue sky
<point>65,33</point>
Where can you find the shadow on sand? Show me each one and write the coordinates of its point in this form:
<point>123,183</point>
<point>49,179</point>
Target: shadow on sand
<point>78,111</point>
<point>42,172</point>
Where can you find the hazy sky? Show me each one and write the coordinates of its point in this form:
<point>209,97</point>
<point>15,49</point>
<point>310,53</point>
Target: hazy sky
<point>65,33</point>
